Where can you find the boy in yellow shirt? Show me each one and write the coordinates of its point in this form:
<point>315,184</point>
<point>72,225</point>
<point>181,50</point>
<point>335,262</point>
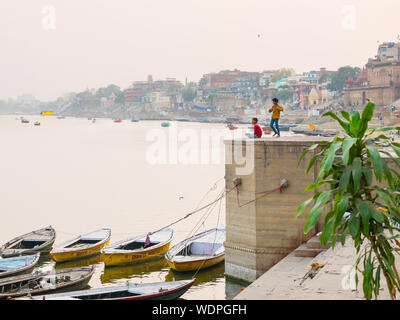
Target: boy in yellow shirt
<point>276,110</point>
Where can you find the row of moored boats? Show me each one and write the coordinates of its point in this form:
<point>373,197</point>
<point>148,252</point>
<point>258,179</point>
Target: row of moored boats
<point>21,255</point>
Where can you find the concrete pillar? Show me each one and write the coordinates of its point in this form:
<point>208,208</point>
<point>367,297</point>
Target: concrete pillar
<point>262,233</point>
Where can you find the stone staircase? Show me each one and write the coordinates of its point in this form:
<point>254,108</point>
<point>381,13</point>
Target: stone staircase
<point>311,248</point>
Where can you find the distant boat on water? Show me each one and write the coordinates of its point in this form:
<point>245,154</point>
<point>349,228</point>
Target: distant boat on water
<point>37,123</point>
<point>24,121</point>
<point>134,120</point>
<point>165,124</point>
<point>118,121</point>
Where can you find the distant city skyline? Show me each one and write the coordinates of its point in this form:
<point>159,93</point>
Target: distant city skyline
<point>53,47</point>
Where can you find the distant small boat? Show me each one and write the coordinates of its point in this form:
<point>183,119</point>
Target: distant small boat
<point>118,121</point>
<point>232,127</point>
<point>24,121</point>
<point>45,282</point>
<point>37,123</point>
<point>138,248</point>
<point>132,291</point>
<point>165,124</point>
<point>267,129</point>
<point>18,265</point>
<point>198,252</point>
<point>36,241</point>
<point>134,120</point>
<point>82,246</point>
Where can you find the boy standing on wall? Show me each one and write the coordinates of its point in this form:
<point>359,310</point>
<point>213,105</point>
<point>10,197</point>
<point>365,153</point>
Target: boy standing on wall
<point>276,110</point>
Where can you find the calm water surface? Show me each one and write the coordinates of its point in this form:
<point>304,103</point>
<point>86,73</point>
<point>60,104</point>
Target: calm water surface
<point>79,176</point>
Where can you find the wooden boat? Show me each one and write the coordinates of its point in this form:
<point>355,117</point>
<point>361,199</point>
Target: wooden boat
<point>45,282</point>
<point>82,246</point>
<point>37,123</point>
<point>131,291</point>
<point>138,248</point>
<point>198,252</point>
<point>36,241</point>
<point>18,265</point>
<point>118,121</point>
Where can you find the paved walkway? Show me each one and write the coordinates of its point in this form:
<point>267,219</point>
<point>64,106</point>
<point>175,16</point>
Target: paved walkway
<point>282,281</point>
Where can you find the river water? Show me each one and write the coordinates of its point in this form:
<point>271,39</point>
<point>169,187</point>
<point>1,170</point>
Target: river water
<point>79,176</point>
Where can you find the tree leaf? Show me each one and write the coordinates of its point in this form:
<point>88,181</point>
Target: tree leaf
<point>356,171</point>
<point>367,172</point>
<point>377,281</point>
<point>368,112</point>
<point>376,161</point>
<point>345,115</point>
<point>312,162</point>
<point>344,180</point>
<point>354,225</point>
<point>307,151</point>
<point>355,124</point>
<point>302,207</point>
<point>312,219</point>
<point>315,186</point>
<point>341,208</point>
<point>344,125</point>
<point>316,211</point>
<point>363,209</point>
<point>327,232</point>
<point>347,144</point>
<point>327,162</point>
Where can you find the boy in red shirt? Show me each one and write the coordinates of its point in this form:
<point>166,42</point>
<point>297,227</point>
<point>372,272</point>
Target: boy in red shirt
<point>257,128</point>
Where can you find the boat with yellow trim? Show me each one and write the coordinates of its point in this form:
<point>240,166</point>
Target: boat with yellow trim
<point>201,251</point>
<point>82,246</point>
<point>137,249</point>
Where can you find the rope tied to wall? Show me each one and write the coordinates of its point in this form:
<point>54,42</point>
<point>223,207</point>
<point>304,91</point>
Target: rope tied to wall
<point>283,185</point>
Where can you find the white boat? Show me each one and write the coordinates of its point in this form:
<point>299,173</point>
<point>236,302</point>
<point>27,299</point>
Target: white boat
<point>131,291</point>
<point>198,252</point>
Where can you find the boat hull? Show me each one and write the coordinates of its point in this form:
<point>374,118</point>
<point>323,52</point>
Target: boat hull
<point>118,259</point>
<point>8,253</point>
<point>76,285</point>
<point>78,254</point>
<point>8,250</point>
<point>195,264</point>
<point>23,270</point>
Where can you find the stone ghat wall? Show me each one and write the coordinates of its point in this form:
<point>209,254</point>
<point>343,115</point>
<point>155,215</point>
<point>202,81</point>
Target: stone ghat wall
<point>262,233</point>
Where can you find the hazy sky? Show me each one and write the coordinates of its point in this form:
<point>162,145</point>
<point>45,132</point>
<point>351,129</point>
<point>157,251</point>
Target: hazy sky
<point>99,42</point>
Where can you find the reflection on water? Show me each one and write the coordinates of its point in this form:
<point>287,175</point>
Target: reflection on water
<point>203,276</point>
<point>143,269</point>
<point>79,263</point>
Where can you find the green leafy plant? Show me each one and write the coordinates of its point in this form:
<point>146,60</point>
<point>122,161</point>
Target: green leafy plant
<point>365,208</point>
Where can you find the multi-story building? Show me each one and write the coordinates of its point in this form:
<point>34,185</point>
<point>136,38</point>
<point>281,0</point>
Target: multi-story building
<point>380,82</point>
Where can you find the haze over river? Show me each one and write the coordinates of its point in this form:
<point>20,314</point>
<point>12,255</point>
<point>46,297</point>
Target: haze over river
<point>79,176</point>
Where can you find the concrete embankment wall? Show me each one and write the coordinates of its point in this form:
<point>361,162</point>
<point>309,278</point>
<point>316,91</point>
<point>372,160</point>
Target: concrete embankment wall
<point>262,233</point>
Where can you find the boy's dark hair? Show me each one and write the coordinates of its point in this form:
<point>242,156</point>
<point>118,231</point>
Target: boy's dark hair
<point>275,100</point>
<point>255,119</point>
